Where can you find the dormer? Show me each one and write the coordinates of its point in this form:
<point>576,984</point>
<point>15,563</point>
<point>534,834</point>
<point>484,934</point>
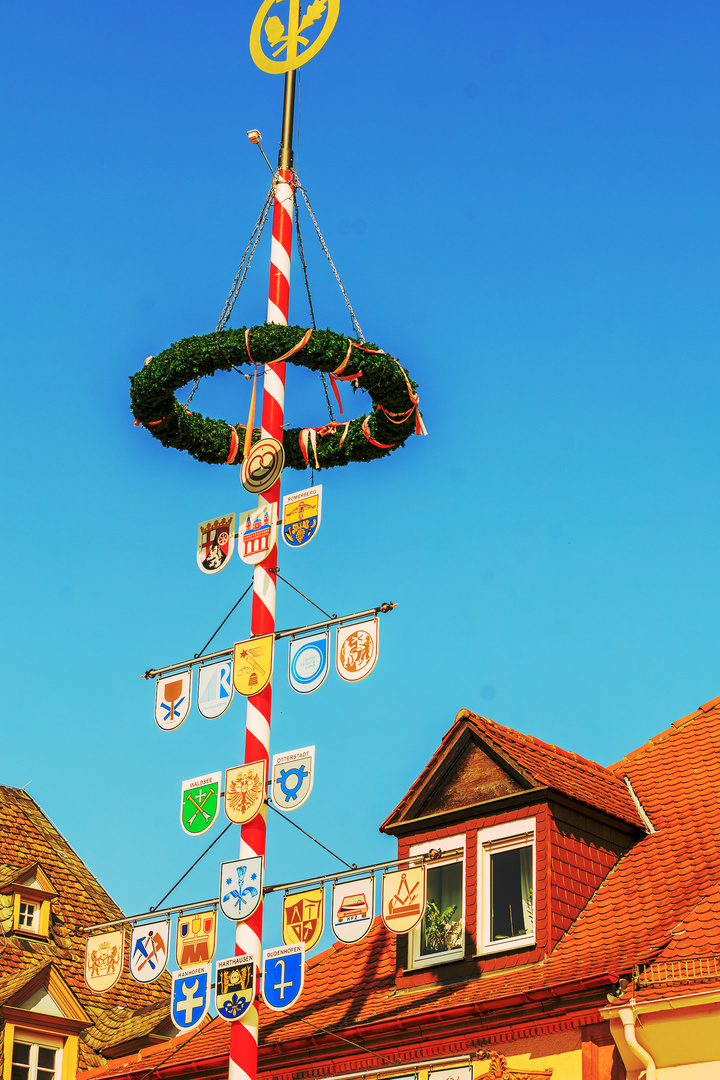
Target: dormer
<point>42,1022</point>
<point>31,890</point>
<point>519,833</point>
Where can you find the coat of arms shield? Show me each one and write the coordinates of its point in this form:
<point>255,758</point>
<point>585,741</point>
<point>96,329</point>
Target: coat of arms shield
<point>283,976</point>
<point>353,908</point>
<point>172,699</point>
<point>104,960</point>
<point>190,996</point>
<point>200,803</point>
<point>252,664</point>
<point>301,516</point>
<point>356,649</point>
<point>244,791</point>
<point>258,533</point>
<point>292,778</point>
<point>215,689</point>
<point>196,938</point>
<point>149,950</point>
<point>216,541</point>
<point>241,885</point>
<point>304,918</point>
<point>403,898</point>
<point>234,986</point>
<point>309,662</point>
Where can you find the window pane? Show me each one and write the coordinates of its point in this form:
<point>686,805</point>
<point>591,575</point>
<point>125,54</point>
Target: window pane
<point>46,1058</point>
<point>511,893</point>
<point>21,1054</point>
<point>441,927</point>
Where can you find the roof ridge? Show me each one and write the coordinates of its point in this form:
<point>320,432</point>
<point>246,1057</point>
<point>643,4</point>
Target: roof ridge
<point>666,733</point>
<point>533,739</point>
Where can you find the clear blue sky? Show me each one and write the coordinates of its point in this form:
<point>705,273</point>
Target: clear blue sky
<point>522,199</point>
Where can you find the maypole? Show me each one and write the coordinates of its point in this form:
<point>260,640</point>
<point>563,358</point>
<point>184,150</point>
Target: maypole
<point>248,938</point>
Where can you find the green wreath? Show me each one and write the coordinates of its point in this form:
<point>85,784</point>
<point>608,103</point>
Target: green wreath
<point>394,417</point>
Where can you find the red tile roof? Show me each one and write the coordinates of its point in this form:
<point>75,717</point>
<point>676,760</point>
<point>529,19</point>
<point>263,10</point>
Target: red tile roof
<point>659,897</point>
<point>28,837</point>
<point>544,764</point>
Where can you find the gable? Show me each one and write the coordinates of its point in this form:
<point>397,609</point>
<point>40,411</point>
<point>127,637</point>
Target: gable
<point>473,777</point>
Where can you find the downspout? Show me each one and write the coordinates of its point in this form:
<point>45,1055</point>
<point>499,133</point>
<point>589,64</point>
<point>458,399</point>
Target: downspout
<point>627,1019</point>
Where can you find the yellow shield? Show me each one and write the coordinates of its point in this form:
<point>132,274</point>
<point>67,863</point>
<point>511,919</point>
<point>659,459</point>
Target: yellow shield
<point>244,791</point>
<point>304,917</point>
<point>252,665</point>
<point>196,938</point>
<point>403,898</point>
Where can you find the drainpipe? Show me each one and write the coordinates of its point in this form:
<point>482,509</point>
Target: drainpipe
<point>627,1019</point>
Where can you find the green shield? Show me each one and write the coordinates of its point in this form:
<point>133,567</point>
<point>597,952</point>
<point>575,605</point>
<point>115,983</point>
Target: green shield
<point>200,803</point>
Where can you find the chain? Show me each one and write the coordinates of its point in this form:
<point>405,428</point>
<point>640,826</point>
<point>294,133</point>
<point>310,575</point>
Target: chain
<point>301,253</point>
<point>355,323</point>
<point>242,272</point>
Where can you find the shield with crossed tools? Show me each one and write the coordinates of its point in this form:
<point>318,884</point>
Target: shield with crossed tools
<point>200,803</point>
<point>149,950</point>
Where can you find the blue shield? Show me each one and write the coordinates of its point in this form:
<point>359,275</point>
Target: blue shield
<point>190,996</point>
<point>283,975</point>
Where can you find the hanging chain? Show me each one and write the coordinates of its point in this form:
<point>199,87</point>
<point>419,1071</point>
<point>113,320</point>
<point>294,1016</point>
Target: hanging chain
<point>301,253</point>
<point>242,272</point>
<point>355,323</point>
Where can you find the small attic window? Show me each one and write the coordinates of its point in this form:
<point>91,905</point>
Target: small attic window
<point>32,892</point>
<point>28,916</point>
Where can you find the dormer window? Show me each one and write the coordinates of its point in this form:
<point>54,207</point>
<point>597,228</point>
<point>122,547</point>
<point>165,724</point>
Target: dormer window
<point>36,1058</point>
<point>28,916</point>
<point>506,858</point>
<point>32,892</point>
<point>440,936</point>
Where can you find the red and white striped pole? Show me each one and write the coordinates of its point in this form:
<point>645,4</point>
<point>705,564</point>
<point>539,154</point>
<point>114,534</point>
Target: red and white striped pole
<point>248,938</point>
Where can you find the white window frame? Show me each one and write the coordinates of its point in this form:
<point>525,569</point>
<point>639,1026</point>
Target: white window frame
<point>36,1040</point>
<point>32,926</point>
<point>446,843</point>
<point>506,837</point>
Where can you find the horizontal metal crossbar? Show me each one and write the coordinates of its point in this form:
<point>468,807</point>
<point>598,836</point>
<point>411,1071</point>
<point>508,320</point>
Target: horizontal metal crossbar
<point>287,886</point>
<point>295,631</point>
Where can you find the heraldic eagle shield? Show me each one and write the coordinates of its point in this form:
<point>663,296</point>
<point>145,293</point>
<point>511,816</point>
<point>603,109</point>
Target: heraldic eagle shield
<point>244,791</point>
<point>252,666</point>
<point>304,917</point>
<point>196,938</point>
<point>234,986</point>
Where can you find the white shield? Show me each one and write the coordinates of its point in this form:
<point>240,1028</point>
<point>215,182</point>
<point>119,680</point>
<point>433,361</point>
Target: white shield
<point>216,540</point>
<point>190,996</point>
<point>258,533</point>
<point>149,950</point>
<point>292,778</point>
<point>241,884</point>
<point>356,650</point>
<point>215,689</point>
<point>172,699</point>
<point>104,960</point>
<point>353,908</point>
<point>309,662</point>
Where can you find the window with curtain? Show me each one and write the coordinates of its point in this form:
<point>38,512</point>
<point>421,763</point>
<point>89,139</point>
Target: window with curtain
<point>507,886</point>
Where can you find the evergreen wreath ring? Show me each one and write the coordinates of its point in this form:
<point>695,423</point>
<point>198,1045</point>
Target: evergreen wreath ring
<point>394,417</point>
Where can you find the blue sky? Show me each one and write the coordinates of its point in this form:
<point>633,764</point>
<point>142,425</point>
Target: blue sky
<point>521,199</point>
